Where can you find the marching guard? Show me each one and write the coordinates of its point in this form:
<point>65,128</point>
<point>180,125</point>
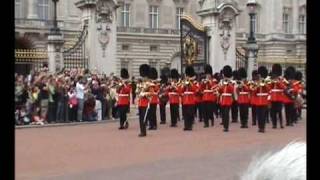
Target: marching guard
<point>174,97</point>
<point>163,98</point>
<point>226,91</point>
<point>143,101</point>
<point>262,93</point>
<point>188,98</point>
<point>298,89</point>
<point>154,99</point>
<point>290,95</point>
<point>276,95</point>
<point>235,107</point>
<point>243,92</point>
<point>253,98</point>
<point>123,91</point>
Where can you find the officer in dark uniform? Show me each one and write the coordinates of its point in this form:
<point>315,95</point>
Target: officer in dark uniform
<point>163,98</point>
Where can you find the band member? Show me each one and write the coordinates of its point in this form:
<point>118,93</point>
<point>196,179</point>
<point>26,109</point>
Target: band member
<point>163,98</point>
<point>188,98</point>
<point>243,92</point>
<point>262,93</point>
<point>173,92</point>
<point>276,95</point>
<point>209,90</point>
<point>290,95</point>
<point>123,91</point>
<point>216,106</point>
<point>143,101</point>
<point>226,91</point>
<point>253,98</point>
<point>298,88</point>
<point>154,101</point>
<point>199,103</point>
<point>234,107</point>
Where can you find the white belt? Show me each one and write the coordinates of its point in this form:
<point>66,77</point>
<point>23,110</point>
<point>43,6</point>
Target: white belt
<point>208,91</point>
<point>276,90</point>
<point>243,93</point>
<point>123,95</point>
<point>226,94</point>
<point>173,93</point>
<point>188,93</point>
<point>262,94</point>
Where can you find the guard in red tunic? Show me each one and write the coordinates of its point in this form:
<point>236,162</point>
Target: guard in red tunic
<point>123,103</point>
<point>226,91</point>
<point>235,107</point>
<point>243,92</point>
<point>276,95</point>
<point>262,93</point>
<point>143,101</point>
<point>154,101</point>
<point>289,95</point>
<point>199,102</point>
<point>298,89</point>
<point>253,98</point>
<point>209,96</point>
<point>188,92</point>
<point>174,97</point>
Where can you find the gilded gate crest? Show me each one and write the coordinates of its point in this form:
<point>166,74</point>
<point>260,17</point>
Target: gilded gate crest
<point>190,47</point>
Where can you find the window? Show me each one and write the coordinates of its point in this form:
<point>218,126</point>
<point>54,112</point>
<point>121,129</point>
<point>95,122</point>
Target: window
<point>302,20</point>
<point>179,13</point>
<point>154,48</point>
<point>124,64</point>
<point>125,47</point>
<point>18,9</point>
<point>285,20</point>
<point>43,9</point>
<point>154,17</point>
<point>125,15</point>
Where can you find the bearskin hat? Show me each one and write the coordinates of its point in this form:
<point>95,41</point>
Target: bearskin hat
<point>208,69</point>
<point>298,76</point>
<point>190,71</point>
<point>227,71</point>
<point>263,71</point>
<point>242,73</point>
<point>174,74</point>
<point>217,76</point>
<point>236,75</point>
<point>276,70</point>
<point>165,71</point>
<point>144,70</point>
<point>164,79</point>
<point>153,74</point>
<point>124,73</point>
<point>289,73</point>
<point>254,73</point>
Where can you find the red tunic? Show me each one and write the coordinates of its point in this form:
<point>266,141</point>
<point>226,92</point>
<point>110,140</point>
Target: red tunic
<point>226,94</point>
<point>124,95</point>
<point>243,94</point>
<point>174,95</point>
<point>154,94</point>
<point>188,95</point>
<point>262,95</point>
<point>276,92</point>
<point>208,91</point>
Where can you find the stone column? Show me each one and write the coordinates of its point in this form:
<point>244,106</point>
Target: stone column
<point>295,17</point>
<point>32,9</point>
<point>55,57</point>
<point>252,58</point>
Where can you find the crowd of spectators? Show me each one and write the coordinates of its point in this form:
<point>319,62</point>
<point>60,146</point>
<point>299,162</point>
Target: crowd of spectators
<point>68,96</point>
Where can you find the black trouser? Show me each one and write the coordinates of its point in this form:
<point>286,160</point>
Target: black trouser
<point>188,116</point>
<point>179,112</point>
<point>142,112</point>
<point>234,111</point>
<point>254,114</point>
<point>208,113</point>
<point>199,110</point>
<point>276,109</point>
<point>72,113</point>
<point>123,109</point>
<point>261,115</point>
<point>163,112</point>
<point>152,116</point>
<point>225,111</point>
<point>244,114</point>
<point>133,97</point>
<point>218,110</point>
<point>174,113</point>
<point>52,112</point>
<point>290,113</point>
<point>214,111</point>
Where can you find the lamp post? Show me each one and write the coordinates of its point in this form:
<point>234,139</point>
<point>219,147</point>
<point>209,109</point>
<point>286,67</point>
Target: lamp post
<point>55,29</point>
<point>252,46</point>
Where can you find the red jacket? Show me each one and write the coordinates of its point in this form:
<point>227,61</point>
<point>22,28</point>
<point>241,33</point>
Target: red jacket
<point>243,94</point>
<point>124,95</point>
<point>174,95</point>
<point>276,91</point>
<point>226,94</point>
<point>208,91</point>
<point>188,95</point>
<point>262,94</point>
<point>154,97</point>
<point>198,95</point>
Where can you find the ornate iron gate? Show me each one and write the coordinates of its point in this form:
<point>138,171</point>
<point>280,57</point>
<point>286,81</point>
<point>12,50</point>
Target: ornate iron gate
<point>30,59</point>
<point>241,58</point>
<point>193,40</point>
<point>76,57</point>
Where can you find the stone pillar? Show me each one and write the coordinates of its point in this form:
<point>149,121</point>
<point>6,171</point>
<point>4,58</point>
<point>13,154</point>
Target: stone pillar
<point>32,9</point>
<point>55,57</point>
<point>252,49</point>
<point>221,27</point>
<point>295,17</point>
<point>102,28</point>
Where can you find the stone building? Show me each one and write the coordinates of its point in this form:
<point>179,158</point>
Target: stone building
<point>148,30</point>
